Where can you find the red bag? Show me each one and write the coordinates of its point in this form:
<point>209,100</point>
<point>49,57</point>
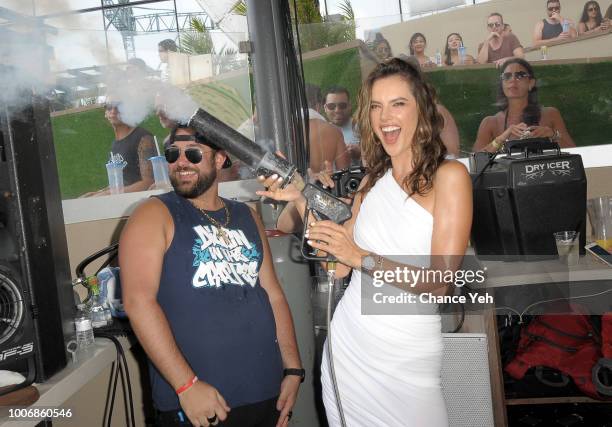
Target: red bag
<point>606,335</point>
<point>602,371</point>
<point>568,343</point>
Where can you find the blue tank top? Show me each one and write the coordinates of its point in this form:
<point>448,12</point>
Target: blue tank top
<point>220,315</point>
<point>131,152</point>
<point>550,31</point>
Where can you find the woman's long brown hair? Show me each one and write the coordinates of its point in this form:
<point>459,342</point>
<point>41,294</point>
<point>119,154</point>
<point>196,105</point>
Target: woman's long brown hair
<point>428,150</point>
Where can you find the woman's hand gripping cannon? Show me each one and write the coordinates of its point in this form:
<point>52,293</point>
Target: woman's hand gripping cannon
<point>319,203</point>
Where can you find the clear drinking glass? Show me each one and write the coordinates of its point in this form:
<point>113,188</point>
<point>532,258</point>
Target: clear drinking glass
<point>568,246</point>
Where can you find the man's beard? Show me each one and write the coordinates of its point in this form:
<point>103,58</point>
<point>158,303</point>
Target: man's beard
<point>201,186</point>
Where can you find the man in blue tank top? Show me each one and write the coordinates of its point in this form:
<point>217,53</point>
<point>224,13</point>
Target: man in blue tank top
<point>202,296</point>
<point>553,28</point>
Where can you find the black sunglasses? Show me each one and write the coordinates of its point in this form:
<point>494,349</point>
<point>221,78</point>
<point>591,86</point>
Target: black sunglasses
<point>193,154</point>
<point>334,105</point>
<point>554,9</point>
<point>593,9</point>
<point>518,75</point>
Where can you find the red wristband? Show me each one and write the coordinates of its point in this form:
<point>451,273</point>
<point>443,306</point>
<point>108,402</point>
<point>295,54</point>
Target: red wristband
<point>186,386</point>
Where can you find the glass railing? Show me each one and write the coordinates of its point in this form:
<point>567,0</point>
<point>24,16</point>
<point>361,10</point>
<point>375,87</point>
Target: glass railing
<point>85,133</point>
<point>86,65</point>
<point>574,77</point>
<point>107,74</point>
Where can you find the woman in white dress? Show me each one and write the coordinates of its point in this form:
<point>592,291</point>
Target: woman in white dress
<point>411,203</point>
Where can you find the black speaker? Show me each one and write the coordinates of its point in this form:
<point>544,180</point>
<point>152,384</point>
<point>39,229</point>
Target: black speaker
<point>521,200</point>
<point>36,298</point>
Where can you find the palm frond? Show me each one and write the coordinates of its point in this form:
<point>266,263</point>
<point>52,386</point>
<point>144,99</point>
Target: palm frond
<point>198,25</point>
<point>239,8</point>
<point>196,43</point>
<point>347,10</point>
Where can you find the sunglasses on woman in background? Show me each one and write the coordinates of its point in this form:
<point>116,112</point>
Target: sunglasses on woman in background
<point>517,75</point>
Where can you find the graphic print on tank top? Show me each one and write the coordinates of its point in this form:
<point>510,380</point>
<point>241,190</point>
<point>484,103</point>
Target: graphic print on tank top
<point>218,262</point>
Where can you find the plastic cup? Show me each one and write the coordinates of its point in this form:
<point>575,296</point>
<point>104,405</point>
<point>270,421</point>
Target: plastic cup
<point>160,172</point>
<point>544,52</point>
<point>568,246</point>
<point>600,217</point>
<point>461,52</point>
<point>566,26</point>
<point>115,176</point>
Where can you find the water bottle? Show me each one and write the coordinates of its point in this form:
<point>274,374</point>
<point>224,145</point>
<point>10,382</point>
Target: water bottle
<point>107,313</point>
<point>103,296</point>
<point>84,330</point>
<point>96,308</point>
<point>438,58</point>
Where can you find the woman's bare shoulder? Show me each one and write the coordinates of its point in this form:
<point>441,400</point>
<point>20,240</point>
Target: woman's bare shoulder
<point>490,123</point>
<point>550,112</point>
<point>452,180</point>
<point>550,115</point>
<point>493,118</point>
<point>451,169</point>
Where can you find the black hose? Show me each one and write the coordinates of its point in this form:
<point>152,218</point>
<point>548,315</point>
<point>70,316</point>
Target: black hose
<point>125,404</point>
<point>122,366</point>
<point>80,268</point>
<point>297,94</point>
<point>122,359</point>
<point>112,401</point>
<point>129,385</point>
<point>330,354</point>
<point>485,167</point>
<point>460,325</point>
<point>108,392</point>
<point>110,259</point>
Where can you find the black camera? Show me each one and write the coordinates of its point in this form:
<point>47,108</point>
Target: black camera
<point>346,182</point>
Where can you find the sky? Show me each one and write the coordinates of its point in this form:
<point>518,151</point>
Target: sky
<point>80,39</point>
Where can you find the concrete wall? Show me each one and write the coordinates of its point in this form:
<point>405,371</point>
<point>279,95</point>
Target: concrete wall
<point>470,22</point>
<point>87,406</point>
<point>595,47</point>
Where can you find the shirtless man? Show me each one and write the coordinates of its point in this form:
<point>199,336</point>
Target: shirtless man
<point>328,152</point>
<point>326,140</point>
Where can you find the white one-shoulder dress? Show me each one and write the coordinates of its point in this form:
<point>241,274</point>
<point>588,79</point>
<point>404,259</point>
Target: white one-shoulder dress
<point>387,366</point>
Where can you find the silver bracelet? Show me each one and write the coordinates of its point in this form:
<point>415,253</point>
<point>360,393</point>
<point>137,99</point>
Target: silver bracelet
<point>372,262</point>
